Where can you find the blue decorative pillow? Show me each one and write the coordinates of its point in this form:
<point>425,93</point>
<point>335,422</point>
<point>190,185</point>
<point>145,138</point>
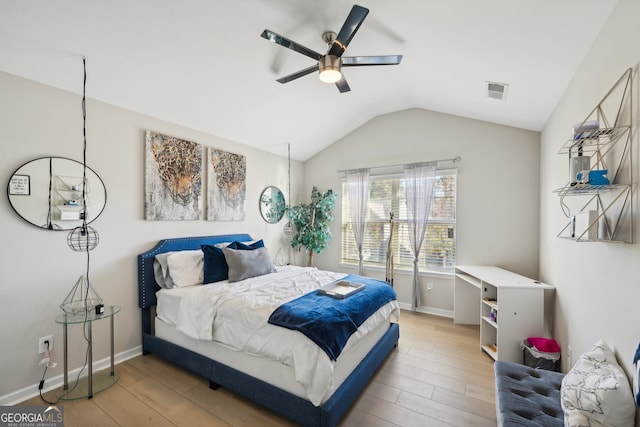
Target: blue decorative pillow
<point>215,264</point>
<point>244,247</point>
<point>216,268</point>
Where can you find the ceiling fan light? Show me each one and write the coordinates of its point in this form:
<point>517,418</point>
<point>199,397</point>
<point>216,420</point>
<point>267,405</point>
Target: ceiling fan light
<point>330,75</point>
<point>329,67</point>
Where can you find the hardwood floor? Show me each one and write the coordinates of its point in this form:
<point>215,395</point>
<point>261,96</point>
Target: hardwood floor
<point>436,377</point>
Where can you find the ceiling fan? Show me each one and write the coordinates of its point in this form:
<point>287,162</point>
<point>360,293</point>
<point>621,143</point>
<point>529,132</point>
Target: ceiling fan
<point>330,64</point>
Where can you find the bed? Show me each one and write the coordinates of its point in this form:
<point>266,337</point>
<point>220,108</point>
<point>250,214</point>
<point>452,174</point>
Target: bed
<point>271,380</point>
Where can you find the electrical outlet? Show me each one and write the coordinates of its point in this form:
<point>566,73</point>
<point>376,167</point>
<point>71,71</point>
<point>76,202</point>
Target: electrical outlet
<point>42,346</point>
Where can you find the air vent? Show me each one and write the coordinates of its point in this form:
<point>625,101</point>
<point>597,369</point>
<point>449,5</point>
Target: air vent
<point>497,90</point>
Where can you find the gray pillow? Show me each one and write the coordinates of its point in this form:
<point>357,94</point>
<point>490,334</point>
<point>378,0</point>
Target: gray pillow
<point>161,270</point>
<point>246,264</point>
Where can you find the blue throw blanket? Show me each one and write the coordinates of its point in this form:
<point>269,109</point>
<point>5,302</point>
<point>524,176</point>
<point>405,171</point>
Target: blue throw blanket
<point>329,322</point>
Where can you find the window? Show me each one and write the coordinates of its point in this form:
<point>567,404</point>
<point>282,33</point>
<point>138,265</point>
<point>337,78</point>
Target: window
<point>386,194</point>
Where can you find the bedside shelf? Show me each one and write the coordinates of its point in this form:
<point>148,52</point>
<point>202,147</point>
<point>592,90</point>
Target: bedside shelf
<point>92,383</point>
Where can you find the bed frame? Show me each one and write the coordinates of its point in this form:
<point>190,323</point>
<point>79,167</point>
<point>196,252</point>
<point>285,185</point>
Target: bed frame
<point>284,403</point>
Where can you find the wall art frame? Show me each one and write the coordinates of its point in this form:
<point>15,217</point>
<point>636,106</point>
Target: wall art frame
<point>20,185</point>
<point>173,178</point>
<point>226,185</point>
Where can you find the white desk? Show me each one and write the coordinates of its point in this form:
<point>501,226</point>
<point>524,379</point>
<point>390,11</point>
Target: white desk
<point>507,306</point>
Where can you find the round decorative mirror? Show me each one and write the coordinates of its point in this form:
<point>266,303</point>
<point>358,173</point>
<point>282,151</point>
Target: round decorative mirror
<point>272,204</point>
<point>47,192</point>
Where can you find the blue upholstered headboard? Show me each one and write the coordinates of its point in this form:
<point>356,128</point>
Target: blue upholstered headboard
<point>147,286</point>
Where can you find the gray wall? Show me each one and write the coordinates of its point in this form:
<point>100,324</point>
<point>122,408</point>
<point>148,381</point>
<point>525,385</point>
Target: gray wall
<point>39,269</point>
<point>498,187</point>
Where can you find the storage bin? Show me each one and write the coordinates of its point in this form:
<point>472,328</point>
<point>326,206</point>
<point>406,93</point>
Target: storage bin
<point>542,353</point>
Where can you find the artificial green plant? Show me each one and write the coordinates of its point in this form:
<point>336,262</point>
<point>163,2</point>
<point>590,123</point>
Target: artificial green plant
<point>311,222</point>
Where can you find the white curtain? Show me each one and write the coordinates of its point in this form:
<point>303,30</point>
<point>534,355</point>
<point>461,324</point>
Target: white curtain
<point>418,185</point>
<point>358,185</point>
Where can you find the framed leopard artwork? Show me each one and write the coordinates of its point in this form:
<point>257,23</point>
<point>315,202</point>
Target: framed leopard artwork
<point>173,178</point>
<point>226,185</point>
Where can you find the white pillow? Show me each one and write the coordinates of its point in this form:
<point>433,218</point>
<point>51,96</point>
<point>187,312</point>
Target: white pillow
<point>596,391</point>
<point>186,268</point>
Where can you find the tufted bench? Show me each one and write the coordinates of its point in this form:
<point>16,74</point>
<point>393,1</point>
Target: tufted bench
<point>527,396</point>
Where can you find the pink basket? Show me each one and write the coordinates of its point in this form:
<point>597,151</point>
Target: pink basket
<point>544,344</point>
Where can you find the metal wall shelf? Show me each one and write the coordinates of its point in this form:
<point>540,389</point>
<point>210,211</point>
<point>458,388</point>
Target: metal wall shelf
<point>593,140</point>
<point>609,208</point>
<point>586,189</point>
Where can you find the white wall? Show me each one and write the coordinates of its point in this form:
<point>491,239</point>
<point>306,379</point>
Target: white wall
<point>498,187</point>
<point>38,268</point>
<point>598,293</point>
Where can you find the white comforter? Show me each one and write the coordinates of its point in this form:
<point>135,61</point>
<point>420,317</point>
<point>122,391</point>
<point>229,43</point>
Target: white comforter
<point>236,314</point>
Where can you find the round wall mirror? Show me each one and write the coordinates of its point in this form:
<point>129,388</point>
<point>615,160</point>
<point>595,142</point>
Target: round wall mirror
<point>47,192</point>
<point>272,204</point>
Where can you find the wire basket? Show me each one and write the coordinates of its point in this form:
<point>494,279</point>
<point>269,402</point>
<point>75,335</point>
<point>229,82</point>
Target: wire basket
<point>82,298</point>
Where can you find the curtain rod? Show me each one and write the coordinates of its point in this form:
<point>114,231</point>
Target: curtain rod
<point>455,159</point>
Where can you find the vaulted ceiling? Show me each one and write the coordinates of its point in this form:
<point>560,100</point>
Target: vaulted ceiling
<point>203,64</point>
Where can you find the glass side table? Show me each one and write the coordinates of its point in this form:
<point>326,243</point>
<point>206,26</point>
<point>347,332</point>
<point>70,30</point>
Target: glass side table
<point>103,379</point>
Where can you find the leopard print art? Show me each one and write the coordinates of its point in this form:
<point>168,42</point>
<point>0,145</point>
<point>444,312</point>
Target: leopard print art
<point>179,166</point>
<point>174,181</point>
<point>227,175</point>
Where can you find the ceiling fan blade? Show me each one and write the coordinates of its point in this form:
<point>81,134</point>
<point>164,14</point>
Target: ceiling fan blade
<point>342,85</point>
<point>348,30</point>
<point>356,61</point>
<point>290,44</point>
<point>298,74</point>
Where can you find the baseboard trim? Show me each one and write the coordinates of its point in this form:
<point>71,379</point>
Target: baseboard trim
<point>53,383</point>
